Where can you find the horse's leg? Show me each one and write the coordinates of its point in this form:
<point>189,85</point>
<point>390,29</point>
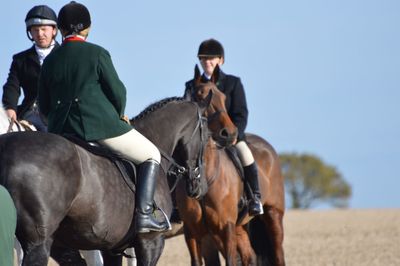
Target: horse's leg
<point>131,261</point>
<point>37,255</point>
<point>248,257</point>
<point>209,252</point>
<point>65,256</point>
<point>20,253</point>
<point>273,220</point>
<point>194,247</point>
<point>92,257</point>
<point>148,248</point>
<point>229,242</point>
<point>111,259</point>
<point>266,234</point>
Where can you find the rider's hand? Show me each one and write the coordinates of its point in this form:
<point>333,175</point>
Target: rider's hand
<point>12,114</point>
<point>125,119</point>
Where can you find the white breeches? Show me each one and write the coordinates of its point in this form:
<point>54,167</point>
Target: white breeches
<point>244,152</point>
<point>133,146</point>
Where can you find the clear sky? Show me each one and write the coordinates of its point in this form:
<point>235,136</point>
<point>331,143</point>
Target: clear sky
<point>321,77</point>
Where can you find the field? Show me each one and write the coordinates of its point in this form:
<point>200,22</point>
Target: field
<point>325,238</point>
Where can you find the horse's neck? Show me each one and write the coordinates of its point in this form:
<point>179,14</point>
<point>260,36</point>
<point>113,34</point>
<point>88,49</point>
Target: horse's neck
<point>159,129</point>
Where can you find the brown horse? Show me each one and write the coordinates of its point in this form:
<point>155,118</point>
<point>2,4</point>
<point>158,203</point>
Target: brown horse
<point>217,214</point>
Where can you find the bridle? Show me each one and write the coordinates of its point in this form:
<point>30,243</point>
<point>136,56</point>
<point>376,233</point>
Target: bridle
<point>179,171</point>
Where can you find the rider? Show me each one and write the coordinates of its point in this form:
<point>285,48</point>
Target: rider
<point>41,28</point>
<point>81,94</point>
<point>211,54</point>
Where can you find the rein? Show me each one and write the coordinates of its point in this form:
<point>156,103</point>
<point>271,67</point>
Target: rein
<point>177,170</point>
<point>12,122</point>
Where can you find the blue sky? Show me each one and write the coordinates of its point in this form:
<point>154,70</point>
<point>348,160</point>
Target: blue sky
<point>321,77</point>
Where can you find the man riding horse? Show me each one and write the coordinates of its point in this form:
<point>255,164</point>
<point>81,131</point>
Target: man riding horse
<point>41,29</point>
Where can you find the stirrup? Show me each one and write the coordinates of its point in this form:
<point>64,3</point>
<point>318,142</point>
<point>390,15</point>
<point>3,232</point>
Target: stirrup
<point>167,224</point>
<point>255,207</point>
<point>169,228</point>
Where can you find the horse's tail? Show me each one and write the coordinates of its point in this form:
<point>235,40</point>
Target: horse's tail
<point>260,241</point>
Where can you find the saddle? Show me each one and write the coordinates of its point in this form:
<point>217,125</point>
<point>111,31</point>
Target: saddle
<point>125,167</point>
<point>244,199</point>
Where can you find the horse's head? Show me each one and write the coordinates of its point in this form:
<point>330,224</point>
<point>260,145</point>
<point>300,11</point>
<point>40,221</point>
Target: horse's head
<point>179,129</point>
<point>224,132</point>
<point>190,151</point>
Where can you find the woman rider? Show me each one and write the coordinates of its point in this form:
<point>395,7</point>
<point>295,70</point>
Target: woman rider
<point>211,54</point>
<point>81,94</point>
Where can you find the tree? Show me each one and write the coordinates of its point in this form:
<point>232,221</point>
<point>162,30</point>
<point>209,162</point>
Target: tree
<point>308,180</point>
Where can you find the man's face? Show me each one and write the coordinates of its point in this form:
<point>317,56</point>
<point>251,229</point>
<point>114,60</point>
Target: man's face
<point>43,35</point>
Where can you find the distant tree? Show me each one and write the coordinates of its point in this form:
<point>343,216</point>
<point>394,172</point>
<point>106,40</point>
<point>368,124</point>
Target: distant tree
<point>308,181</point>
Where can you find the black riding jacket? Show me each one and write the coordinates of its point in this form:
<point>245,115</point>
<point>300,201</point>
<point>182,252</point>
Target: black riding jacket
<point>24,73</point>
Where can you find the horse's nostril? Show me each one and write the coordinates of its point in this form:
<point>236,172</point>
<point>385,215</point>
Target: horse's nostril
<point>224,133</point>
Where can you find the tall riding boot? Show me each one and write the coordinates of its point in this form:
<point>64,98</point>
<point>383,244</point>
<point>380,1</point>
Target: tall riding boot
<point>251,177</point>
<point>145,220</point>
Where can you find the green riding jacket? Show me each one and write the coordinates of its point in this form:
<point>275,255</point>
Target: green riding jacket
<point>80,92</point>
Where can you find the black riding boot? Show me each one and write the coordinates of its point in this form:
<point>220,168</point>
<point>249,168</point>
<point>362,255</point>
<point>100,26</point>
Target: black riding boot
<point>251,177</point>
<point>145,220</point>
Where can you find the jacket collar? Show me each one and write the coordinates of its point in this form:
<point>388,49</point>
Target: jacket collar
<point>32,55</point>
<point>221,77</point>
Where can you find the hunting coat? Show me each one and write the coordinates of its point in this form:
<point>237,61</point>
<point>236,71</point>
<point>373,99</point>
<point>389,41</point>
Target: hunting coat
<point>24,73</point>
<point>235,102</point>
<point>80,92</point>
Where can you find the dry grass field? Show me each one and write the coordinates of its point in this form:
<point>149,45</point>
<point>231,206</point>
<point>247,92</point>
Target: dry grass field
<point>326,238</point>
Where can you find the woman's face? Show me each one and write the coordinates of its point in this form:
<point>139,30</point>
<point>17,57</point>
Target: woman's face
<point>43,35</point>
<point>209,63</point>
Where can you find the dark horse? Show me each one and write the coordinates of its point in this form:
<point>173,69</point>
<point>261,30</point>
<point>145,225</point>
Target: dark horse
<point>65,194</point>
<point>217,214</point>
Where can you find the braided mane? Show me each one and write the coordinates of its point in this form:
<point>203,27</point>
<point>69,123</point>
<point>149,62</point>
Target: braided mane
<point>155,106</point>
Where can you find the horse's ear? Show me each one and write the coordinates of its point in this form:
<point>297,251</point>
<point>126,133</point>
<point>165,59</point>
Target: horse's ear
<point>215,74</point>
<point>206,102</point>
<point>197,75</point>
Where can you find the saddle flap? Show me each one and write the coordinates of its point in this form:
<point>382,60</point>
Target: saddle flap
<point>125,167</point>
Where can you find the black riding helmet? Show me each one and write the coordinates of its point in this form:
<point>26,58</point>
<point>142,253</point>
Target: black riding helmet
<point>73,18</point>
<point>211,48</point>
<point>40,15</point>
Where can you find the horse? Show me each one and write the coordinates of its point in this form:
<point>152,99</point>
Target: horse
<point>65,194</point>
<point>257,239</point>
<point>92,258</point>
